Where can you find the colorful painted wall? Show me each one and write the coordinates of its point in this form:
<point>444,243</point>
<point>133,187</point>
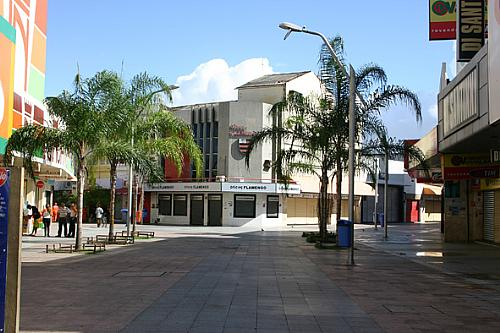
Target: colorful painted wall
<point>23,40</point>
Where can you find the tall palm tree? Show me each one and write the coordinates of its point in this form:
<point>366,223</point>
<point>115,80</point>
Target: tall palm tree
<point>307,134</point>
<point>371,83</point>
<point>380,144</point>
<point>156,132</point>
<point>84,121</point>
<point>155,129</point>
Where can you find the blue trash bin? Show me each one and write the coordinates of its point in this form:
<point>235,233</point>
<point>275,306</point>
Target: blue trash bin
<point>124,215</point>
<point>381,219</point>
<point>344,236</point>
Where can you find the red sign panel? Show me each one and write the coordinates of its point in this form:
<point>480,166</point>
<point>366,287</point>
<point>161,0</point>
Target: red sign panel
<point>40,184</point>
<point>470,172</point>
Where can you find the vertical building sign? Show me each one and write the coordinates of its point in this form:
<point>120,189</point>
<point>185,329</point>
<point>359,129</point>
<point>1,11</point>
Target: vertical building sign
<point>470,28</point>
<point>494,59</point>
<point>4,205</point>
<point>442,19</point>
<point>7,56</point>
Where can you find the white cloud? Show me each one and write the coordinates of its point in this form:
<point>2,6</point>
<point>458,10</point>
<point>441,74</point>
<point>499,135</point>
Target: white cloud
<point>433,111</point>
<point>215,80</point>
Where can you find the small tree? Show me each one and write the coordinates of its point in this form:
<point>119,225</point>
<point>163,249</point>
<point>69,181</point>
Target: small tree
<point>308,145</point>
<point>84,123</point>
<point>371,83</point>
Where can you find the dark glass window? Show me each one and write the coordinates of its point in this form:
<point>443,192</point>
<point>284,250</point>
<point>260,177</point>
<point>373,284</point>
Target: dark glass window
<point>215,133</point>
<point>273,203</point>
<point>244,205</point>
<point>207,129</point>
<point>214,161</point>
<point>165,204</point>
<point>207,161</point>
<point>195,130</point>
<point>180,205</point>
<point>215,146</point>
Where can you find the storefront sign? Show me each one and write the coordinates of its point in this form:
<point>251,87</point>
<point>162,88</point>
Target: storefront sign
<point>490,184</point>
<point>465,160</point>
<point>4,206</point>
<point>442,19</point>
<point>460,105</point>
<point>183,187</point>
<point>288,188</point>
<point>249,187</point>
<point>470,34</point>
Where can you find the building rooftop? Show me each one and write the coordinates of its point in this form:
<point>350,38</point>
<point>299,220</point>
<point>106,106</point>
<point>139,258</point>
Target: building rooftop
<point>272,80</point>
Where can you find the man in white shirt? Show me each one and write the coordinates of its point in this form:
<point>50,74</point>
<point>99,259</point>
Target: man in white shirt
<point>62,220</point>
<point>98,214</point>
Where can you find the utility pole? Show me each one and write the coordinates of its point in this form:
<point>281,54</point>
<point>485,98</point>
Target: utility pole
<point>352,128</point>
<point>13,266</point>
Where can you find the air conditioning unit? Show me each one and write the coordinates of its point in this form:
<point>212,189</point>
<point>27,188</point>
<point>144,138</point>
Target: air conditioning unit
<point>220,179</point>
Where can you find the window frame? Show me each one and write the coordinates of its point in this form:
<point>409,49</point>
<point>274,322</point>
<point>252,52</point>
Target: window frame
<point>164,195</point>
<point>254,205</point>
<point>267,207</point>
<point>174,212</point>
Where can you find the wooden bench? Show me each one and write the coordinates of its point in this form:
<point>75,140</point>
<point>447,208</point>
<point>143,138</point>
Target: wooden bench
<point>60,248</point>
<point>147,234</point>
<point>117,239</point>
<point>95,247</point>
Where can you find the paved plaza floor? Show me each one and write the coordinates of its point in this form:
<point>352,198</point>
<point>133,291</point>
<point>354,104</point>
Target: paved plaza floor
<point>242,280</point>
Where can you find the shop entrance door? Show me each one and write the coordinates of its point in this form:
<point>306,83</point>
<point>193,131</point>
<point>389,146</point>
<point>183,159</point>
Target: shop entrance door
<point>196,211</point>
<point>215,210</point>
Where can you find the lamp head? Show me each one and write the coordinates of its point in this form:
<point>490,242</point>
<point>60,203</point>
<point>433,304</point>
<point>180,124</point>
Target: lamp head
<point>291,27</point>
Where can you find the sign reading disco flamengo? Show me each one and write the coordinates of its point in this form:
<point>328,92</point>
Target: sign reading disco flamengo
<point>249,187</point>
<point>4,205</point>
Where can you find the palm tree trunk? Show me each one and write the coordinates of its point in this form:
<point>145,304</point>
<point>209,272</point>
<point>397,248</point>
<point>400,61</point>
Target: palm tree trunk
<point>112,173</point>
<point>80,185</point>
<point>339,195</point>
<point>323,206</point>
<point>134,210</point>
<point>141,202</point>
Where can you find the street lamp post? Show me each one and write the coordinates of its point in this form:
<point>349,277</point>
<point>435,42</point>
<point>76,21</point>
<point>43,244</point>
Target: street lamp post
<point>290,27</point>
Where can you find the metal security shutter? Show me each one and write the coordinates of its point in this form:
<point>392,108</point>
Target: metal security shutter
<point>489,215</point>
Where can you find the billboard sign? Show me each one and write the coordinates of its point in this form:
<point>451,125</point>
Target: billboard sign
<point>471,28</point>
<point>7,59</point>
<point>4,205</point>
<point>442,19</point>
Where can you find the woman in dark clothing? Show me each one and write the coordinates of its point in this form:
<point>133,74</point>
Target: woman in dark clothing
<point>47,218</point>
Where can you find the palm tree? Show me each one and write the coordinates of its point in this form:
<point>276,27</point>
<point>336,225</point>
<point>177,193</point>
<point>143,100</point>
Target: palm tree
<point>371,83</point>
<point>84,122</point>
<point>380,144</point>
<point>309,147</point>
<point>155,133</point>
<point>155,129</point>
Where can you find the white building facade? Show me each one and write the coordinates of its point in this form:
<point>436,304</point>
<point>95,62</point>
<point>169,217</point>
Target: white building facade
<point>233,193</point>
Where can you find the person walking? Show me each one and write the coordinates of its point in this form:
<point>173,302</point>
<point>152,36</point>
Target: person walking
<point>47,218</point>
<point>73,213</point>
<point>36,220</point>
<point>55,210</point>
<point>62,220</point>
<point>98,214</point>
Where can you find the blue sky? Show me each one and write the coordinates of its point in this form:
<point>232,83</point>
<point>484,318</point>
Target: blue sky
<point>179,40</point>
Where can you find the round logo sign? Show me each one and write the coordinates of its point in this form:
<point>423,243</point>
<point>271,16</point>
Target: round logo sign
<point>3,176</point>
<point>40,184</point>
